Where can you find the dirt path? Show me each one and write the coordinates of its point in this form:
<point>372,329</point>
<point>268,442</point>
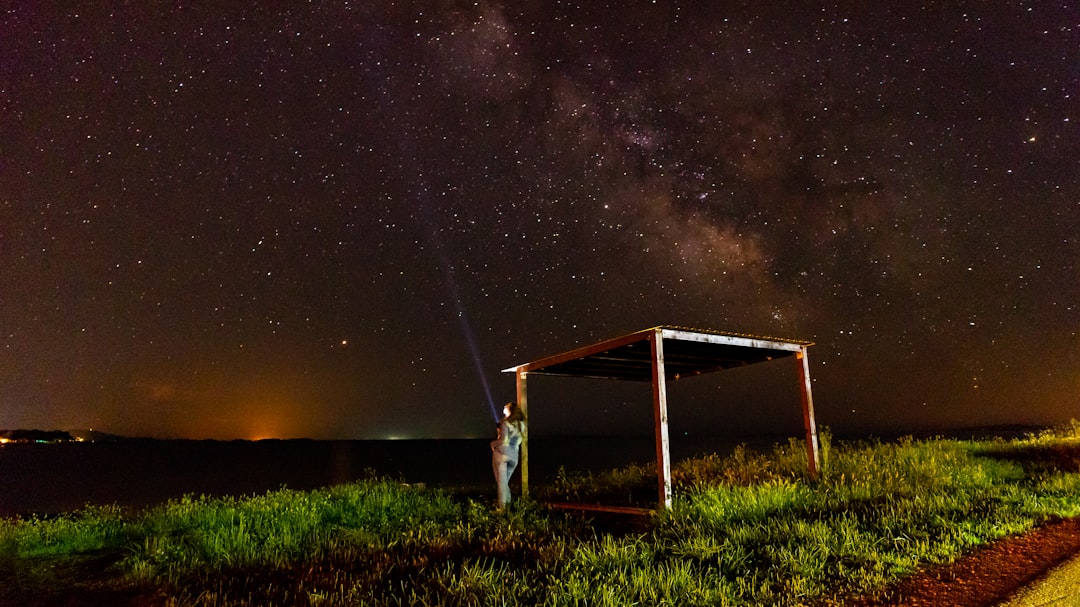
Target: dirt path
<point>986,577</point>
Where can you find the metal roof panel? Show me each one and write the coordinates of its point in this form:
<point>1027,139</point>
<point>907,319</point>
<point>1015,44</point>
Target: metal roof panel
<point>687,352</point>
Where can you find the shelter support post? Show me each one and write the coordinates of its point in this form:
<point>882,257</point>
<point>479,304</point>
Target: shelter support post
<point>663,453</point>
<point>813,452</point>
<point>523,404</point>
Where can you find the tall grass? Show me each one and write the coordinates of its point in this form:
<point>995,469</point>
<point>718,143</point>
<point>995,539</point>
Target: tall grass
<point>747,529</point>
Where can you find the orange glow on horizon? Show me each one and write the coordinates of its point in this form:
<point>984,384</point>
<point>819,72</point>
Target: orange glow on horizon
<point>268,414</point>
<point>260,415</point>
<point>266,424</point>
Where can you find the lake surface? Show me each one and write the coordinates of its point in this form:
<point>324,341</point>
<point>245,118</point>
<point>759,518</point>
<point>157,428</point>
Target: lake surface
<point>49,479</point>
<point>53,478</point>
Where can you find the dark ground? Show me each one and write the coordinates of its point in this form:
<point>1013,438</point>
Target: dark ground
<point>987,576</point>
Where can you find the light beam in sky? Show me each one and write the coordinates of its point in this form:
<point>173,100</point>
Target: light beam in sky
<point>443,259</point>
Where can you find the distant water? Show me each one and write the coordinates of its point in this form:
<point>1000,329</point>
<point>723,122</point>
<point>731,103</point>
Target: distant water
<point>48,479</point>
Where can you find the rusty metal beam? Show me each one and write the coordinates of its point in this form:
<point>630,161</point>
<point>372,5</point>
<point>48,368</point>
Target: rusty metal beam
<point>579,353</point>
<point>603,508</point>
<point>523,404</point>
<point>813,451</point>
<point>663,452</point>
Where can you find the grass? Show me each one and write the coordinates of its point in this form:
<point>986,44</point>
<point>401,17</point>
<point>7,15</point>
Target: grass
<point>747,529</point>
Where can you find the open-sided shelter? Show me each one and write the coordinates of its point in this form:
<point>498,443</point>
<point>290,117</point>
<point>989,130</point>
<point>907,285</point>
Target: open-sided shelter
<point>665,353</point>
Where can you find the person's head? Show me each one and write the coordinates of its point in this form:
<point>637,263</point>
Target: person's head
<point>512,413</point>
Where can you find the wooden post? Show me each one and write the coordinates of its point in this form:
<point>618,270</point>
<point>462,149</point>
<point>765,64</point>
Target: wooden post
<point>663,455</point>
<point>813,453</point>
<point>523,404</point>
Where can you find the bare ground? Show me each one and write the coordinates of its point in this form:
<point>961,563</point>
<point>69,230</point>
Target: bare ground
<point>987,576</point>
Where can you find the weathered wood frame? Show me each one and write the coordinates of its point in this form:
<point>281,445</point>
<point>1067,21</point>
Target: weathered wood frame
<point>692,352</point>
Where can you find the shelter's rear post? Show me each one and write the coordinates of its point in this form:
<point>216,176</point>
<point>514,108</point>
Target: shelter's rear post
<point>523,404</point>
<point>813,453</point>
<point>663,453</point>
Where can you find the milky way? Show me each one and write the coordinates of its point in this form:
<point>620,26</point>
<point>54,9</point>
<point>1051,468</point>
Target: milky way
<point>248,222</point>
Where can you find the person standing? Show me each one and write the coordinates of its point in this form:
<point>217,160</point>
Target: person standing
<point>505,450</point>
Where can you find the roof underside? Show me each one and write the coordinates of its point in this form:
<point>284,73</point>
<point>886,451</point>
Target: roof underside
<point>687,352</point>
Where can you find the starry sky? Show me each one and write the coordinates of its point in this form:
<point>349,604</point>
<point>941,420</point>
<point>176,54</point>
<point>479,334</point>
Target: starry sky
<point>344,219</point>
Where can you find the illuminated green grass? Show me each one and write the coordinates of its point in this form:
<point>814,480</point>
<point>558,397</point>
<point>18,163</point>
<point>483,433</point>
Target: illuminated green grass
<point>748,529</point>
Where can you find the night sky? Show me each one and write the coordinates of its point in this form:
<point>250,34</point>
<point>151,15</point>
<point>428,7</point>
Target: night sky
<point>344,219</point>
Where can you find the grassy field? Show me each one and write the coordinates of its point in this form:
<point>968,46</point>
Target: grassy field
<point>747,529</point>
